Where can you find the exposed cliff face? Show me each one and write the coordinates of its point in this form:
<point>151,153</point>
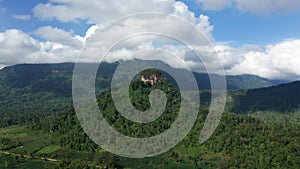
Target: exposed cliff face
<point>151,77</point>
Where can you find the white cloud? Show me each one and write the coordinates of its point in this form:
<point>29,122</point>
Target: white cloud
<point>52,52</point>
<point>267,6</point>
<point>202,22</point>
<point>275,61</point>
<point>16,46</point>
<point>231,56</point>
<point>279,61</point>
<point>132,27</point>
<point>260,7</point>
<point>22,17</point>
<point>205,26</point>
<point>100,11</point>
<point>59,36</point>
<point>89,33</point>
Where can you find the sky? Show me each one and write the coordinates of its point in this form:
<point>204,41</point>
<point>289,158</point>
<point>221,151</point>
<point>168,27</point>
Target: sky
<point>259,37</point>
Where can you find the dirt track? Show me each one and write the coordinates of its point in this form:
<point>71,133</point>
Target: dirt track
<point>29,157</point>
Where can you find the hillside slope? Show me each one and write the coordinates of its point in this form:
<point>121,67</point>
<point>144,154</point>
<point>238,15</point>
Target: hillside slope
<point>283,98</point>
<point>31,90</point>
<point>238,142</point>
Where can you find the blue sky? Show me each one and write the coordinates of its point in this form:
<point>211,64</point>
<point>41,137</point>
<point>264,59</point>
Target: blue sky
<point>246,28</point>
<point>250,28</point>
<point>247,33</point>
<point>14,7</point>
<point>230,24</point>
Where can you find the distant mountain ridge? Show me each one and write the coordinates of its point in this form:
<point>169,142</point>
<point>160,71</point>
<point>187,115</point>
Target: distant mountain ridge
<point>39,76</point>
<point>34,90</point>
<point>251,82</point>
<point>284,98</point>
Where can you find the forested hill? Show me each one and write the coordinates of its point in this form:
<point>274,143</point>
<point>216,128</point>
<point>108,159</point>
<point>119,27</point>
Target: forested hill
<point>55,78</point>
<point>284,98</point>
<point>28,91</point>
<point>238,142</point>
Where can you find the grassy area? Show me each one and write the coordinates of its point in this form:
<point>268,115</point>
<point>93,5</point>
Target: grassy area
<point>34,164</point>
<point>31,147</point>
<point>21,133</point>
<point>21,140</point>
<point>11,162</point>
<point>49,149</point>
<point>35,145</point>
<point>28,143</point>
<point>15,132</point>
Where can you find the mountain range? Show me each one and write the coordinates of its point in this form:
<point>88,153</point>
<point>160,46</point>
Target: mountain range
<point>30,90</point>
<point>48,76</point>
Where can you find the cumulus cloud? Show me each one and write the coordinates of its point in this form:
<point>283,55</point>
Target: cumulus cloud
<point>260,7</point>
<point>52,52</point>
<point>58,35</point>
<point>103,12</point>
<point>16,46</point>
<point>137,33</point>
<point>278,61</point>
<point>202,22</point>
<point>89,33</point>
<point>267,6</point>
<point>98,11</point>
